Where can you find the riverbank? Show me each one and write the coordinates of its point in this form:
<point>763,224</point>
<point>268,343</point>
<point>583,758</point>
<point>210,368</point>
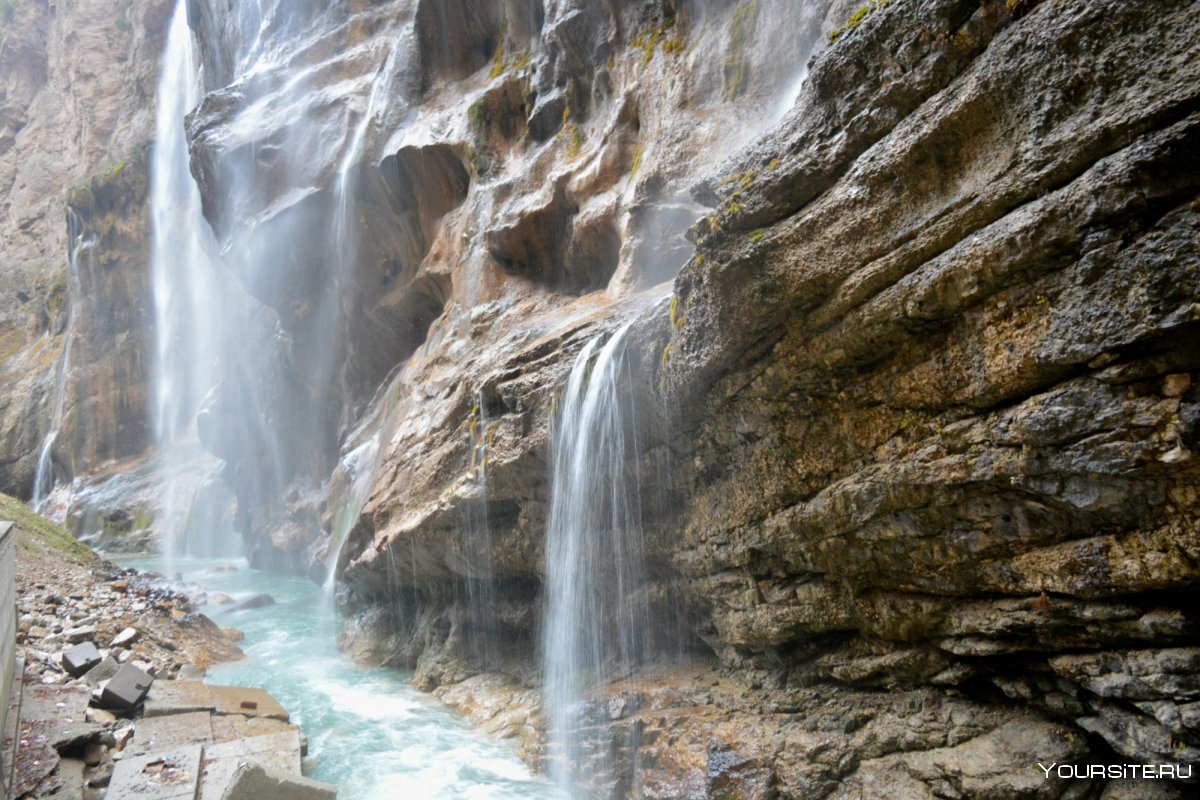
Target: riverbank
<point>108,697</point>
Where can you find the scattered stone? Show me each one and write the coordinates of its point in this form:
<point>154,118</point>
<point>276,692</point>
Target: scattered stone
<point>125,638</point>
<point>253,782</point>
<point>80,658</point>
<point>146,667</point>
<point>220,599</point>
<point>119,586</point>
<point>121,736</point>
<point>101,775</point>
<point>233,634</point>
<point>126,689</point>
<point>80,634</point>
<point>100,716</point>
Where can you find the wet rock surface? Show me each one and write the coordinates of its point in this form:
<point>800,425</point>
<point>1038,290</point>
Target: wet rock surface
<point>76,110</point>
<point>925,440</point>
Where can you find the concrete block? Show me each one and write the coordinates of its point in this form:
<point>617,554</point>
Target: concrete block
<point>103,671</point>
<point>178,697</point>
<point>126,689</point>
<point>249,702</point>
<point>79,659</point>
<point>279,751</point>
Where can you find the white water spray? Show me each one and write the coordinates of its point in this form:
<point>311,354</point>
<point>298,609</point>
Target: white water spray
<point>595,556</point>
<point>44,478</point>
<point>189,303</point>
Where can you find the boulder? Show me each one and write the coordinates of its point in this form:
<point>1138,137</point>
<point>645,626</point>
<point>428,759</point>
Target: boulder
<point>125,637</point>
<point>257,601</point>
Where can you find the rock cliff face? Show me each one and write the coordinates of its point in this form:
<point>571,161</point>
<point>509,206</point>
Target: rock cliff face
<point>76,114</point>
<point>912,360</point>
<point>921,409</point>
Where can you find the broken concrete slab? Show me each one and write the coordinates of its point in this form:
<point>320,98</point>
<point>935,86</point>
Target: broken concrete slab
<point>249,702</point>
<point>63,734</point>
<point>279,751</point>
<point>35,762</point>
<point>172,774</point>
<point>70,777</point>
<point>175,730</point>
<point>126,689</point>
<point>178,697</point>
<point>54,702</point>
<point>228,727</point>
<point>79,659</point>
<point>253,782</point>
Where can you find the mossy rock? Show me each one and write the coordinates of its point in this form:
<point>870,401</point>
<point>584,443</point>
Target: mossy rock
<point>42,530</point>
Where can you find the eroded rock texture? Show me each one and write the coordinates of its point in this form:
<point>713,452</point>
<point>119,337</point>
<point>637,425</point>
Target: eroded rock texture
<point>922,409</point>
<point>76,114</point>
<point>915,423</point>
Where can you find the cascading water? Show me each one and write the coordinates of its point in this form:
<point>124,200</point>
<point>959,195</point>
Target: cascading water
<point>358,467</point>
<point>189,301</point>
<point>595,556</point>
<point>44,478</point>
<point>477,544</point>
<point>361,465</point>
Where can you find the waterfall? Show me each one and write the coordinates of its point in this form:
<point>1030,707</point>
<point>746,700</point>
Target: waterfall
<point>44,478</point>
<point>348,497</point>
<point>189,303</point>
<point>595,555</point>
<point>476,534</point>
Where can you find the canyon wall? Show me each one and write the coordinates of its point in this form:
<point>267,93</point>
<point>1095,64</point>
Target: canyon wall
<point>912,296</point>
<point>77,87</point>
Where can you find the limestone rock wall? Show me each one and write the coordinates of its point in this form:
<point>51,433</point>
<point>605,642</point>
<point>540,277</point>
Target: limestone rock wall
<point>921,411</point>
<point>77,84</point>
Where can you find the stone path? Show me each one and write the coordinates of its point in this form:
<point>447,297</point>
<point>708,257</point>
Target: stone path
<point>193,742</point>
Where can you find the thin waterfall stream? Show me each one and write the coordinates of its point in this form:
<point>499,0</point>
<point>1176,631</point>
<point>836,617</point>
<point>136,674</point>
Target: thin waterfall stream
<point>595,556</point>
<point>45,477</point>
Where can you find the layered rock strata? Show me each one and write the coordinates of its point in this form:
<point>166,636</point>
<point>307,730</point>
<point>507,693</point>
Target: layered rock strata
<point>927,418</point>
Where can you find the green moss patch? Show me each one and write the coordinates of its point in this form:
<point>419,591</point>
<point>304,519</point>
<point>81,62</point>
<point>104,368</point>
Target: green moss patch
<point>44,531</point>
